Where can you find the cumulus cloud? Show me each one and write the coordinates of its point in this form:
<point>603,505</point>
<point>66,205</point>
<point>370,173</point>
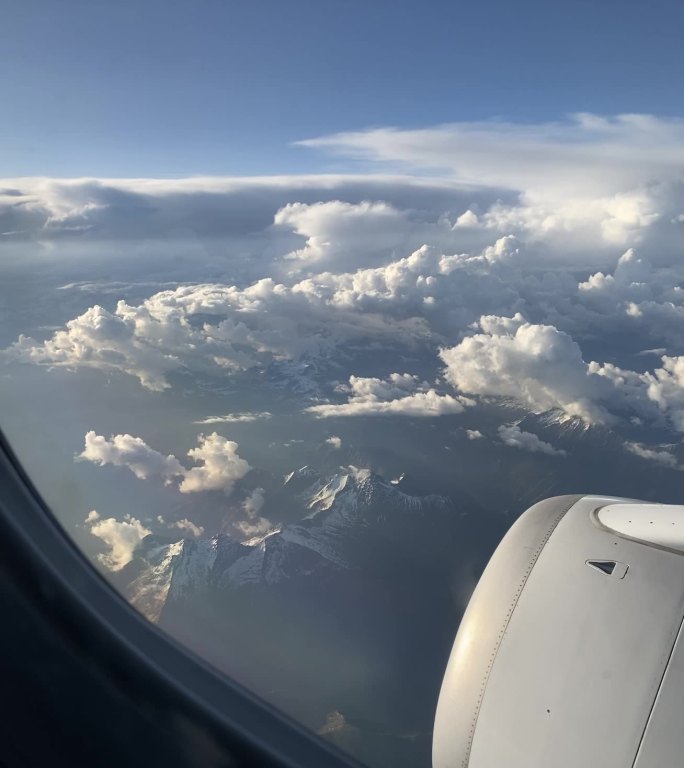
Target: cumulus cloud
<point>468,219</point>
<point>412,302</point>
<point>212,328</point>
<point>543,368</point>
<point>220,466</point>
<point>334,441</point>
<point>253,524</point>
<point>665,388</point>
<point>402,394</point>
<point>534,364</point>
<point>630,280</point>
<point>428,283</point>
<point>514,437</point>
<point>605,179</point>
<point>188,527</point>
<point>474,434</point>
<point>131,452</point>
<point>254,503</point>
<point>341,266</point>
<point>417,303</point>
<point>120,536</point>
<point>340,232</point>
<point>636,298</point>
<point>108,342</point>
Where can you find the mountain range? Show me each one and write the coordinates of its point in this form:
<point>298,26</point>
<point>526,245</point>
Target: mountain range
<point>344,612</point>
<point>344,618</point>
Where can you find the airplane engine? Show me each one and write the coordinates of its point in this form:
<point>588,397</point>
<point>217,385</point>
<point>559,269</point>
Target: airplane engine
<point>570,653</point>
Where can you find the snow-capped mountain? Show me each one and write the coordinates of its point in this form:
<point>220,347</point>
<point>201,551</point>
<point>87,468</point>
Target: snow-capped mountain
<point>336,511</point>
<point>356,496</point>
<point>362,568</point>
<point>147,578</point>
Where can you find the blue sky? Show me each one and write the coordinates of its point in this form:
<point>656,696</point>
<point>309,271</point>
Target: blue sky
<point>163,88</point>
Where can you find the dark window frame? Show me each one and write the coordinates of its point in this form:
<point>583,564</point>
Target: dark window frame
<point>87,680</point>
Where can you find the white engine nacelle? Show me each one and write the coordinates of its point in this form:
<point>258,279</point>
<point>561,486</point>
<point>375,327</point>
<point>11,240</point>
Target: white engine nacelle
<point>570,653</point>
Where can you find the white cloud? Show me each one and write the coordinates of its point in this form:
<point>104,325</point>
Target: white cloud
<point>240,329</point>
<point>131,452</point>
<point>49,210</point>
<point>474,434</point>
<point>652,454</point>
<point>630,280</point>
<point>606,179</point>
<point>254,524</point>
<point>427,283</point>
<point>514,437</point>
<point>635,300</point>
<point>542,367</point>
<point>403,265</point>
<point>235,418</point>
<point>188,527</point>
<point>582,154</point>
<point>254,503</point>
<point>420,404</point>
<point>574,187</point>
<point>108,342</point>
<point>400,394</point>
<point>534,364</point>
<point>411,302</point>
<point>334,441</point>
<point>220,466</point>
<point>120,536</point>
<point>467,219</point>
<point>251,529</point>
<point>414,303</point>
<point>340,232</point>
<point>665,388</point>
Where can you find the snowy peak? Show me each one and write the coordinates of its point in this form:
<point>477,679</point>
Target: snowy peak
<point>193,566</point>
<point>305,472</point>
<point>568,432</point>
<point>163,570</point>
<point>153,567</point>
<point>564,422</point>
<point>362,497</point>
<point>299,480</point>
<point>324,494</point>
<point>341,507</point>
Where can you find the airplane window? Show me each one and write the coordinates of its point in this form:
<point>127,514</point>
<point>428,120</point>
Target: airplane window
<point>302,305</point>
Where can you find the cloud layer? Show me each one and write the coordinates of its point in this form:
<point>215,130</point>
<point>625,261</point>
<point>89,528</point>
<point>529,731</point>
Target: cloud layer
<point>624,150</point>
<point>542,284</point>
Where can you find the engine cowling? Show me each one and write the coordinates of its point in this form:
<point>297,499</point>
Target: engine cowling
<point>570,652</point>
